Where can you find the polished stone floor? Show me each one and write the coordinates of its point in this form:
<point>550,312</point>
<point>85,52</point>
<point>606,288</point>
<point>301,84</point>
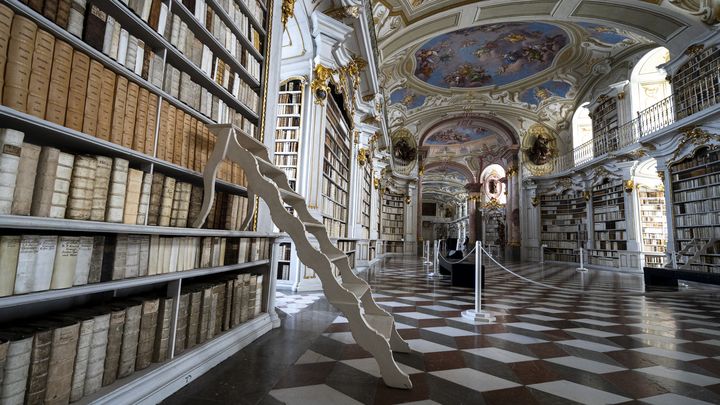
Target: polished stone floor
<point>548,346</point>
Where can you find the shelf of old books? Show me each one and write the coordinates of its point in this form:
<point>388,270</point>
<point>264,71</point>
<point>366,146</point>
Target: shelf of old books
<point>104,135</point>
<point>695,83</point>
<point>288,129</point>
<point>366,200</point>
<point>336,172</point>
<point>609,223</point>
<point>285,252</point>
<point>653,226</point>
<point>392,221</point>
<point>696,208</point>
<point>563,220</point>
<point>605,124</point>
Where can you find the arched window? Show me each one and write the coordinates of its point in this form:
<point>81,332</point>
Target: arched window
<point>647,82</point>
<point>582,134</point>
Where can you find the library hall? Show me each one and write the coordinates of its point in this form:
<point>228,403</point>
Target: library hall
<point>359,202</point>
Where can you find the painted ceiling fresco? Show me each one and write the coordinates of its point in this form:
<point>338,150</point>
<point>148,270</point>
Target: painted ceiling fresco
<point>538,94</point>
<point>408,98</point>
<point>457,135</point>
<point>605,34</point>
<point>445,175</point>
<point>495,54</point>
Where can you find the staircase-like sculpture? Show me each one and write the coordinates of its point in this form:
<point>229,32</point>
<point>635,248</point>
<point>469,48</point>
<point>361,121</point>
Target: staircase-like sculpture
<point>372,327</point>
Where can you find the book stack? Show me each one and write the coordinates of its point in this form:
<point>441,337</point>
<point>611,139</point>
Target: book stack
<point>31,263</point>
<point>207,309</point>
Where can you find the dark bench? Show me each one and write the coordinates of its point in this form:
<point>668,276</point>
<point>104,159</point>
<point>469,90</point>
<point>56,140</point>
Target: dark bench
<point>655,277</point>
<point>461,274</point>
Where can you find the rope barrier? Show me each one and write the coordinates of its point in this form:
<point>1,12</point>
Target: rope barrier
<point>461,260</point>
<point>607,293</point>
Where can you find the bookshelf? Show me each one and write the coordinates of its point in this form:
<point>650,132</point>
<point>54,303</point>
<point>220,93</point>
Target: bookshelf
<point>350,249</point>
<point>609,226</point>
<point>695,185</point>
<point>653,226</point>
<point>134,84</point>
<point>366,201</point>
<point>605,124</point>
<point>283,270</point>
<point>336,172</point>
<point>563,220</point>
<point>695,84</point>
<point>287,132</point>
<point>392,222</point>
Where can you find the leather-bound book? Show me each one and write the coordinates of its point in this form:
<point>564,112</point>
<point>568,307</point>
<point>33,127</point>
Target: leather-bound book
<point>96,262</point>
<point>105,112</point>
<point>212,322</point>
<point>39,85</point>
<point>195,204</point>
<point>62,358</point>
<point>132,196</point>
<point>82,188</point>
<point>25,184</point>
<point>180,130</point>
<point>193,325</point>
<point>154,255</point>
<point>148,327</point>
<point>11,142</point>
<point>139,58</point>
<point>139,134</point>
<point>206,252</point>
<point>18,64</point>
<point>185,141</point>
<point>118,120</point>
<point>156,190</point>
<point>144,256</point>
<point>9,253</point>
<point>96,354</point>
<point>151,124</point>
<point>95,27</point>
<point>205,314</point>
<point>156,70</point>
<point>77,387</point>
<point>163,130</point>
<point>114,45</point>
<point>101,186</point>
<point>114,343</point>
<point>17,365</point>
<point>232,251</point>
<point>175,210</point>
<point>78,91</point>
<point>144,204</point>
<point>191,144</point>
<point>92,98</point>
<point>162,330</point>
<point>131,334</point>
<point>39,365</point>
<point>166,202</point>
<point>132,256</point>
<point>229,287</point>
<point>130,115</point>
<point>237,300</point>
<point>116,194</point>
<point>59,83</point>
<point>183,204</point>
<point>253,296</point>
<point>154,15</point>
<point>29,255</point>
<point>6,17</point>
<point>258,295</point>
<point>77,17</point>
<point>53,183</point>
<point>182,324</point>
<point>63,13</point>
<point>50,9</point>
<point>169,138</point>
<point>219,313</point>
<point>131,53</point>
<point>84,258</point>
<point>120,258</point>
<point>63,272</point>
<point>245,309</point>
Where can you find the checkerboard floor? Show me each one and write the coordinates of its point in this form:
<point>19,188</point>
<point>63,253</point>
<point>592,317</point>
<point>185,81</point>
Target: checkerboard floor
<point>547,346</point>
<point>291,304</point>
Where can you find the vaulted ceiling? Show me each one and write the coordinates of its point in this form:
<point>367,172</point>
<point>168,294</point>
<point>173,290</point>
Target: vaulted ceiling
<point>469,78</point>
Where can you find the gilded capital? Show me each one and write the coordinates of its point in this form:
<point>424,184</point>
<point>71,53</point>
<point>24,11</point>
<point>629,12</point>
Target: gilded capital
<point>321,77</point>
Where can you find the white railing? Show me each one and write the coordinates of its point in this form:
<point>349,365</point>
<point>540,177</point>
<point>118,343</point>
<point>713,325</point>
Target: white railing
<point>702,94</point>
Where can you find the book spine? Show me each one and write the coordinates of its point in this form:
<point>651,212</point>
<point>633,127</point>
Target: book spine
<point>17,366</point>
<point>44,262</point>
<point>92,100</point>
<point>129,122</point>
<point>148,327</point>
<point>6,17</point>
<point>114,341</point>
<point>132,257</point>
<point>144,205</point>
<point>166,201</point>
<point>105,111</point>
<point>84,260</point>
<point>181,331</point>
<point>9,254</point>
<point>144,256</point>
<point>61,186</point>
<point>162,332</point>
<point>154,255</point>
<point>39,366</point>
<point>101,185</point>
<point>63,272</point>
<point>120,259</point>
<point>82,187</point>
<point>76,18</point>
<point>96,355</point>
<point>19,63</point>
<point>96,262</point>
<point>118,119</point>
<point>79,375</point>
<point>132,196</point>
<point>78,91</point>
<point>131,334</point>
<point>193,324</point>
<point>25,184</point>
<point>40,74</point>
<point>59,83</point>
<point>10,149</point>
<point>116,195</point>
<point>62,354</point>
<point>156,193</point>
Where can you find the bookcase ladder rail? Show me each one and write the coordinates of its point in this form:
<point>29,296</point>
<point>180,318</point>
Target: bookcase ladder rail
<point>693,250</point>
<point>372,327</point>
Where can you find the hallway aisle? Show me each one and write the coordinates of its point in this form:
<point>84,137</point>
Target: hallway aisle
<point>547,346</point>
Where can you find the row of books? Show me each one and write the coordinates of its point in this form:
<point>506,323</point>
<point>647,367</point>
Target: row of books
<point>700,232</point>
<point>335,228</point>
<point>603,226</point>
<point>286,147</point>
<point>696,207</point>
<point>708,219</point>
<point>346,245</point>
<point>335,167</point>
<point>699,194</point>
<point>333,210</point>
<point>611,235</point>
<point>286,134</point>
<point>702,158</point>
<point>711,179</point>
<point>559,244</point>
<point>56,184</point>
<point>609,216</point>
<point>609,245</point>
<point>32,263</point>
<point>67,14</point>
<point>551,222</point>
<point>568,234</point>
<point>393,209</point>
<point>336,194</point>
<point>286,160</point>
<point>63,357</point>
<point>240,20</point>
<point>289,109</point>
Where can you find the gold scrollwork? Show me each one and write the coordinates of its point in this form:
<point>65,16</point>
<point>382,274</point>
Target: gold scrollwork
<point>535,201</point>
<point>376,183</point>
<point>586,195</point>
<point>363,156</point>
<point>288,11</point>
<point>629,186</point>
<point>696,136</point>
<point>344,12</point>
<point>320,87</point>
<point>407,199</point>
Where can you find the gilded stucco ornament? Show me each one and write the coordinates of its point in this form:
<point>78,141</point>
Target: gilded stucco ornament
<point>288,11</point>
<point>694,136</point>
<point>629,186</point>
<point>535,201</point>
<point>340,13</point>
<point>586,195</point>
<point>363,156</point>
<point>320,87</point>
<point>707,10</point>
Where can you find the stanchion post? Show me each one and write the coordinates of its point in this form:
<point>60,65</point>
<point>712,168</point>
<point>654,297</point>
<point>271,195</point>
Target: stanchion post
<point>582,263</point>
<point>542,253</point>
<point>477,315</point>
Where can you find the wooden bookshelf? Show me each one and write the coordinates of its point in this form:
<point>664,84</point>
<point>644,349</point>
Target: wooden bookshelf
<point>336,172</point>
<point>695,83</point>
<point>392,221</point>
<point>287,132</point>
<point>653,226</point>
<point>211,73</point>
<point>284,254</point>
<point>366,201</point>
<point>609,223</point>
<point>563,220</point>
<point>605,124</point>
<point>695,185</point>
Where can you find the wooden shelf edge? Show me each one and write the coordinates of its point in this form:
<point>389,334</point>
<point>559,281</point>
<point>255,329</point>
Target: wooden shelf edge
<point>159,381</point>
<point>23,299</point>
